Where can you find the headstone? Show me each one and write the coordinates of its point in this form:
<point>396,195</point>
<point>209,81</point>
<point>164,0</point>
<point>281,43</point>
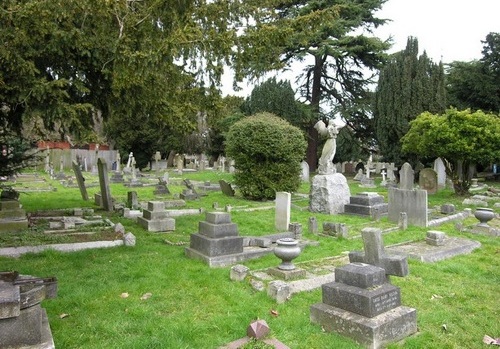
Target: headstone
<point>428,180</point>
<point>161,188</point>
<point>226,188</point>
<point>304,173</point>
<point>413,202</point>
<point>23,322</point>
<point>80,180</point>
<point>329,193</point>
<point>132,200</point>
<point>359,175</point>
<point>155,218</point>
<point>335,229</point>
<point>391,177</point>
<point>282,213</point>
<point>12,217</point>
<point>361,303</point>
<point>313,225</point>
<point>441,173</point>
<point>296,229</point>
<point>107,202</point>
<point>217,242</point>
<point>406,177</point>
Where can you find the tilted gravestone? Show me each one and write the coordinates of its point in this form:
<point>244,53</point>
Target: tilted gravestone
<point>80,180</point>
<point>107,201</point>
<point>361,303</point>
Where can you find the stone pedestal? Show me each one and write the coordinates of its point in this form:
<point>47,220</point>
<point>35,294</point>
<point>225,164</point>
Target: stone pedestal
<point>363,306</point>
<point>217,240</point>
<point>23,323</point>
<point>12,216</point>
<point>329,193</point>
<point>155,218</point>
<point>366,204</point>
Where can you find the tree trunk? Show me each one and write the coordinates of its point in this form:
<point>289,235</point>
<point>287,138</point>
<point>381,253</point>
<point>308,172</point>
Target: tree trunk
<point>312,133</point>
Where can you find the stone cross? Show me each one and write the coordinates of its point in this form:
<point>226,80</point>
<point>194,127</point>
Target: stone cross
<point>132,163</point>
<point>130,156</point>
<point>374,254</point>
<point>118,161</point>
<point>383,175</point>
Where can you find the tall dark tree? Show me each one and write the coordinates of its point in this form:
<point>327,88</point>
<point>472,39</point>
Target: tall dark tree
<point>278,98</point>
<point>327,35</point>
<point>476,84</point>
<point>408,85</point>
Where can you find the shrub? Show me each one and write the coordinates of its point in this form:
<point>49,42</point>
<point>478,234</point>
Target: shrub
<point>267,151</point>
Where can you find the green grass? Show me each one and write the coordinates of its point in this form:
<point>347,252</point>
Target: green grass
<point>193,306</point>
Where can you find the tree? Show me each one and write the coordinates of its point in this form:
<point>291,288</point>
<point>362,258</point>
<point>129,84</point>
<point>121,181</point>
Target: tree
<point>327,32</point>
<point>278,98</point>
<point>460,138</point>
<point>66,63</point>
<point>476,84</point>
<point>267,151</point>
<point>408,85</point>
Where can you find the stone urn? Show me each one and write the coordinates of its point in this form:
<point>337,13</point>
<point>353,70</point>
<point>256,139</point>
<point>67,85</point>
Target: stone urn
<point>287,249</point>
<point>484,215</point>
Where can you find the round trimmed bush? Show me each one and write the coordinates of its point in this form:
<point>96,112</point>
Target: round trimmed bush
<point>267,151</point>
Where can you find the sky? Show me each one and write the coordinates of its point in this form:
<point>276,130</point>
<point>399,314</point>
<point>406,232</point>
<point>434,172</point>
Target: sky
<point>448,30</point>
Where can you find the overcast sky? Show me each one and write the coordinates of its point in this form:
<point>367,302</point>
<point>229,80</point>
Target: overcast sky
<point>448,30</point>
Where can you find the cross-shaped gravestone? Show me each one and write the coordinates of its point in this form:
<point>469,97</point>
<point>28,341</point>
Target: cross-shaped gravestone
<point>374,254</point>
<point>383,175</point>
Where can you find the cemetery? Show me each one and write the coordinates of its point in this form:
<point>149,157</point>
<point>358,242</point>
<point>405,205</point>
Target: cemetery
<point>182,260</point>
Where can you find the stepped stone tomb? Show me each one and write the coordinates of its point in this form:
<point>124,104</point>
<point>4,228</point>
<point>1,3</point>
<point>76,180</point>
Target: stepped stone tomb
<point>361,303</point>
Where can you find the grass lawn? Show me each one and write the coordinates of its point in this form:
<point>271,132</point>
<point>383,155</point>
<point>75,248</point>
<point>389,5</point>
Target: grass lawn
<point>193,306</point>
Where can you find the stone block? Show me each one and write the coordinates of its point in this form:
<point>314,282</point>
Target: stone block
<point>22,330</point>
<point>153,215</point>
<point>447,209</point>
<point>360,275</point>
<point>287,275</point>
<point>156,205</point>
<point>216,247</point>
<point>217,230</point>
<point>218,217</point>
<point>366,199</point>
<point>365,302</point>
<point>9,301</point>
<point>376,332</point>
<point>329,194</point>
<point>167,224</point>
<point>279,290</point>
<point>239,272</point>
<point>435,238</point>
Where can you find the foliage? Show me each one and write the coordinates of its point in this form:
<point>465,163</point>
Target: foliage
<point>408,85</point>
<point>278,98</point>
<point>16,153</point>
<point>460,138</point>
<point>267,151</point>
<point>476,84</point>
<point>325,35</point>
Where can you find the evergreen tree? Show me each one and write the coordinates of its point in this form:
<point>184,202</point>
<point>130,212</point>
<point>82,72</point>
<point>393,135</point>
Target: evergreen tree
<point>408,85</point>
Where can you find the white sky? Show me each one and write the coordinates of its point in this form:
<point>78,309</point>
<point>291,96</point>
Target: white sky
<point>448,30</point>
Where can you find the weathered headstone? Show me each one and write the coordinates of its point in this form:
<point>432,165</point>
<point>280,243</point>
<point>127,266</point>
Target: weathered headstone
<point>406,177</point>
<point>282,214</point>
<point>156,218</point>
<point>226,188</point>
<point>304,173</point>
<point>441,173</point>
<point>107,201</point>
<point>361,303</point>
<point>80,180</point>
<point>427,180</point>
<point>12,217</point>
<point>413,202</point>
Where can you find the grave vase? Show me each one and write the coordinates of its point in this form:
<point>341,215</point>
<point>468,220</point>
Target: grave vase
<point>484,215</point>
<point>287,249</point>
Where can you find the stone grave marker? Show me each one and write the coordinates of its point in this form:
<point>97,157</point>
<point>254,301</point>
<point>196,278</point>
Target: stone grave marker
<point>155,218</point>
<point>282,213</point>
<point>406,177</point>
<point>412,202</point>
<point>107,201</point>
<point>12,215</point>
<point>226,188</point>
<point>80,180</point>
<point>441,173</point>
<point>304,174</point>
<point>428,180</point>
<point>361,303</point>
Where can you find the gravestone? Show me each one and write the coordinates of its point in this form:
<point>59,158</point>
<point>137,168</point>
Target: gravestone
<point>282,213</point>
<point>441,173</point>
<point>23,322</point>
<point>412,202</point>
<point>427,180</point>
<point>329,193</point>
<point>366,204</point>
<point>226,188</point>
<point>132,200</point>
<point>155,218</point>
<point>190,193</point>
<point>161,188</point>
<point>361,303</point>
<point>406,177</point>
<point>107,202</point>
<point>12,216</point>
<point>80,180</point>
<point>217,242</point>
<point>304,171</point>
